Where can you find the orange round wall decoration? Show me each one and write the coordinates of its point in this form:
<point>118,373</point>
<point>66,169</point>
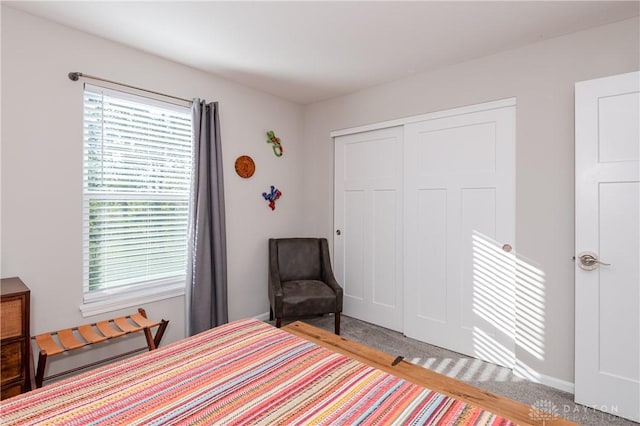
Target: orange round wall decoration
<point>245,167</point>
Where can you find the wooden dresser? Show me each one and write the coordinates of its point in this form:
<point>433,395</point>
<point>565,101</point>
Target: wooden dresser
<point>15,338</point>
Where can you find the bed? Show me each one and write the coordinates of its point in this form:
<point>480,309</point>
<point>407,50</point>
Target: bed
<point>249,372</point>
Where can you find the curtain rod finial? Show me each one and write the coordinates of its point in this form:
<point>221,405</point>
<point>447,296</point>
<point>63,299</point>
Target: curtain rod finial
<point>74,76</point>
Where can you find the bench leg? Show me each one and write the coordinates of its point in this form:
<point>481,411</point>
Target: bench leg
<point>42,362</point>
<point>150,342</point>
<point>161,328</point>
<point>154,342</point>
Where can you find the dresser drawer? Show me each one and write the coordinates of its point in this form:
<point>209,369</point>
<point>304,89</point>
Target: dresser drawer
<point>11,390</point>
<point>15,338</point>
<point>12,318</point>
<point>11,361</point>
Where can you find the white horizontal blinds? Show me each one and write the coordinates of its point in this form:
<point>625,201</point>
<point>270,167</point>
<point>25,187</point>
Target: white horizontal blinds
<point>137,176</point>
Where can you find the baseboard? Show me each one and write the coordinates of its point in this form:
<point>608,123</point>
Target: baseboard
<point>526,372</point>
<point>262,317</point>
<point>559,384</point>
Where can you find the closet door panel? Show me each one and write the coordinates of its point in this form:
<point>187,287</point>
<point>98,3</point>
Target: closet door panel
<point>384,248</point>
<point>460,149</point>
<point>459,282</point>
<point>353,281</point>
<point>368,224</point>
<point>432,237</point>
<point>479,295</point>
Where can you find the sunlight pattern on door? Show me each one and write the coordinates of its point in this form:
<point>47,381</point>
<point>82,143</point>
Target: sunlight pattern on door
<point>515,311</point>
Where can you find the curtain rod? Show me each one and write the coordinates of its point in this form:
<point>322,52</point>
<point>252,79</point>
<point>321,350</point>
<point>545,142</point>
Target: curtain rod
<point>75,76</point>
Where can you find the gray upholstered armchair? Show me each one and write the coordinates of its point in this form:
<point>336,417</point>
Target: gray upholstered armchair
<point>301,280</point>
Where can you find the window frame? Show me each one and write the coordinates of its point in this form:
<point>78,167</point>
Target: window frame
<point>110,299</point>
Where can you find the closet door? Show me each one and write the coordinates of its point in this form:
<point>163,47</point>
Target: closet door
<point>459,231</point>
<point>368,225</point>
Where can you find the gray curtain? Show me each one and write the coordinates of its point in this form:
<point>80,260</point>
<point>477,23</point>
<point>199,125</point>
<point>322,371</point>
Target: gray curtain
<point>206,294</point>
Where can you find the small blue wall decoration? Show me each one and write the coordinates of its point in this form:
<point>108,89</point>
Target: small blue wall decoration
<point>272,196</point>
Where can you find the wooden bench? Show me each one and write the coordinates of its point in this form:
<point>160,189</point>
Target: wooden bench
<point>88,334</point>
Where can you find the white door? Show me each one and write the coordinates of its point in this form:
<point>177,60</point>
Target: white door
<point>368,222</point>
<point>607,297</point>
<point>459,213</point>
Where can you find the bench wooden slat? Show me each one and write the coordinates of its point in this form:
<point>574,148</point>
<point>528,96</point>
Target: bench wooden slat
<point>142,321</point>
<point>46,343</point>
<point>69,340</point>
<point>125,325</point>
<point>106,329</point>
<point>89,334</point>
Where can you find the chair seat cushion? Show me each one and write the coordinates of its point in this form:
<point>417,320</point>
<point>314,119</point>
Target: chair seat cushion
<point>307,297</point>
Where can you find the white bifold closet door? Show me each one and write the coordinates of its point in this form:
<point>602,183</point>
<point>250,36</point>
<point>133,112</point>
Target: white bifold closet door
<point>459,229</point>
<point>368,222</point>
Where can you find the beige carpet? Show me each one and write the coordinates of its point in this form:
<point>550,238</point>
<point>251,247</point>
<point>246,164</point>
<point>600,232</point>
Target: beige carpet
<point>484,375</point>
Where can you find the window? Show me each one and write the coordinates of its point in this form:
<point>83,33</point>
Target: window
<point>137,179</point>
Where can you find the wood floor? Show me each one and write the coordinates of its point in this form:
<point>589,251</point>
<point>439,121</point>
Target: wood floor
<point>512,410</point>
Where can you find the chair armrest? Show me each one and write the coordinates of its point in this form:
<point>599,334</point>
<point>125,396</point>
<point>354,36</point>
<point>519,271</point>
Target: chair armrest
<point>328,276</point>
<point>330,280</point>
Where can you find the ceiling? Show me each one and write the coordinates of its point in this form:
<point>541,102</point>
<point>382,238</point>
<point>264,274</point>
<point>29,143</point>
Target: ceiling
<point>308,51</point>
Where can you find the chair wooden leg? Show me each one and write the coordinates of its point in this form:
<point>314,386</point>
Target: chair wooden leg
<point>337,325</point>
<point>278,322</point>
<point>270,314</point>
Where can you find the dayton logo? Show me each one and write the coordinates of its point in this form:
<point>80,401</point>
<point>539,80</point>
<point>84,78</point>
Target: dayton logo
<point>544,410</point>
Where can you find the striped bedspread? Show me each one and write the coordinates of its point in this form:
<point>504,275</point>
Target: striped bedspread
<point>245,372</point>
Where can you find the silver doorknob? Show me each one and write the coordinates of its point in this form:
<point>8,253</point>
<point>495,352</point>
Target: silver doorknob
<point>589,261</point>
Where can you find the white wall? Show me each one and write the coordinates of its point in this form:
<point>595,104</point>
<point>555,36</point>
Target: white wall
<point>41,228</point>
<point>541,76</point>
